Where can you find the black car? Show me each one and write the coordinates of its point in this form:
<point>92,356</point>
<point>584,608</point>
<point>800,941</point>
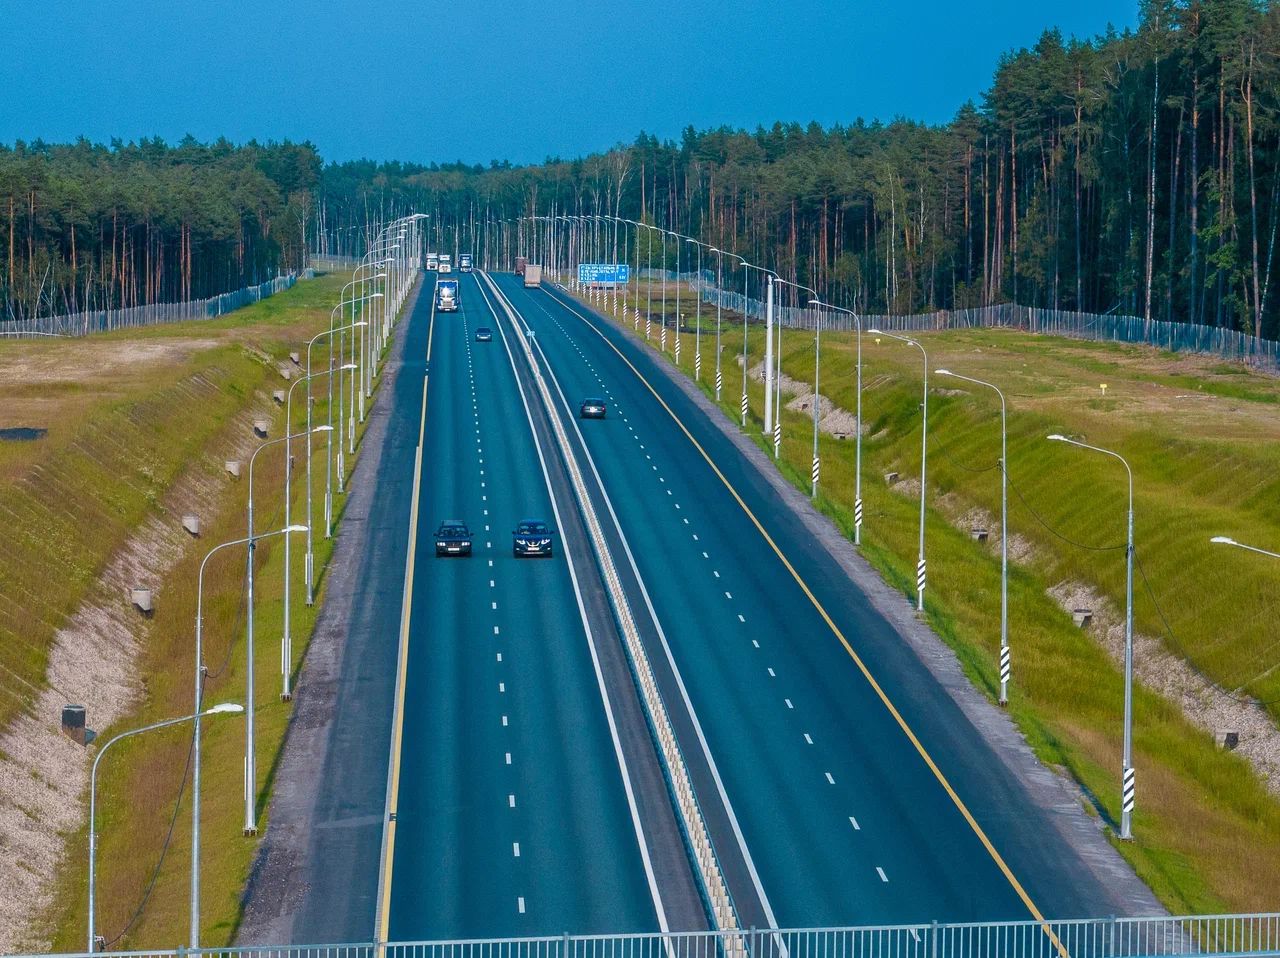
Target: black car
<point>593,409</point>
<point>484,335</point>
<point>532,537</point>
<point>453,538</point>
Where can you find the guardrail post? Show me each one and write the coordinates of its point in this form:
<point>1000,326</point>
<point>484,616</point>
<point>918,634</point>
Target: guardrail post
<point>933,940</point>
<point>1111,942</point>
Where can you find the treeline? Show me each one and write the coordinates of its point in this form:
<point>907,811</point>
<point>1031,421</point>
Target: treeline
<point>1135,172</point>
<point>88,226</point>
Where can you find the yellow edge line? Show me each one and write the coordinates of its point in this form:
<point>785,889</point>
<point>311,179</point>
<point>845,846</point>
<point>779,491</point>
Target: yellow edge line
<point>397,732</point>
<point>884,698</point>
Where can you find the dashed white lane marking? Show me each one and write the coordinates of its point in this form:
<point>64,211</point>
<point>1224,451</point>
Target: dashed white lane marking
<point>808,738</point>
<point>490,565</point>
<point>502,686</point>
<point>741,619</point>
<point>854,822</point>
<point>695,539</point>
<point>499,656</point>
<point>704,555</point>
<point>486,528</point>
<point>772,674</point>
<point>508,758</point>
<point>880,872</point>
<point>789,705</point>
<point>520,904</point>
<point>830,780</point>
<point>661,479</point>
<point>495,630</point>
<point>728,595</point>
<point>494,604</point>
<point>515,849</point>
<point>511,801</point>
<point>686,522</point>
<point>491,583</point>
<point>677,505</point>
<point>755,643</point>
<point>715,573</point>
<point>504,722</point>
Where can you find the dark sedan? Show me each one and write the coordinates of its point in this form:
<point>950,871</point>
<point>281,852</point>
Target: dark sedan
<point>532,537</point>
<point>453,538</point>
<point>484,335</point>
<point>593,409</point>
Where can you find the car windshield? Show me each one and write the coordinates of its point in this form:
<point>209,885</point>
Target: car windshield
<point>593,402</point>
<point>483,330</point>
<point>532,528</point>
<point>453,529</point>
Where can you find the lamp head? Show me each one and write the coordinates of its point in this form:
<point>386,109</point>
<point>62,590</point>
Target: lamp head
<point>816,302</point>
<point>376,295</point>
<point>1058,437</point>
<point>226,708</point>
<point>325,428</point>
<point>1224,540</point>
<point>943,372</point>
<point>295,528</point>
<point>873,331</point>
<point>359,323</point>
<point>349,366</point>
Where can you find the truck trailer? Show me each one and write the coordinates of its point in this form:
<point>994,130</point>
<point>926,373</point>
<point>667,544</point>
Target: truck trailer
<point>532,275</point>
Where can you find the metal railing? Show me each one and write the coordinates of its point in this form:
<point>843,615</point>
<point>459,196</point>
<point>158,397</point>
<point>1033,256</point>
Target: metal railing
<point>1204,935</point>
<point>106,320</point>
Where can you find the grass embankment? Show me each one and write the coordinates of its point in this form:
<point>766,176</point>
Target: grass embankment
<point>1201,438</point>
<point>128,414</point>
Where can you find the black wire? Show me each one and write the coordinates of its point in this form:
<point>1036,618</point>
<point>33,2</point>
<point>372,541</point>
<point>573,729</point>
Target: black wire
<point>947,456</point>
<point>164,851</point>
<point>1040,519</point>
<point>1181,649</point>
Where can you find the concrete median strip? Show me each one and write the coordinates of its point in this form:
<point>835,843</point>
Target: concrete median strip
<point>699,847</point>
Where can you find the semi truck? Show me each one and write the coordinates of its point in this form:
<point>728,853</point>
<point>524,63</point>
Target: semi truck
<point>464,262</point>
<point>433,261</point>
<point>448,296</point>
<point>532,275</point>
<point>446,263</point>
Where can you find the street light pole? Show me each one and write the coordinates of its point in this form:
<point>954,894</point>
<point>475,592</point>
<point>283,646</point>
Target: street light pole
<point>924,451</point>
<point>225,708</point>
<point>1005,665</point>
<point>250,766</point>
<point>777,420</point>
<point>1127,776</point>
<point>1224,540</point>
<point>857,467</point>
<point>196,737</point>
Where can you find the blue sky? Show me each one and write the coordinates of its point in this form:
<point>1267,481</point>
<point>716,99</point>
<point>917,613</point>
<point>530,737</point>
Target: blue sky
<point>508,79</point>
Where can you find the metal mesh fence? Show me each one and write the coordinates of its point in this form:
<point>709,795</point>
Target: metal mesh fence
<point>1177,937</point>
<point>105,320</point>
<point>1229,344</point>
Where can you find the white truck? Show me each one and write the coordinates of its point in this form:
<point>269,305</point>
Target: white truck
<point>448,296</point>
<point>433,261</point>
<point>446,263</point>
<point>464,262</point>
<point>532,276</point>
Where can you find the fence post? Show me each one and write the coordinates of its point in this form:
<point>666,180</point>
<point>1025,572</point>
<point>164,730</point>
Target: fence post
<point>933,939</point>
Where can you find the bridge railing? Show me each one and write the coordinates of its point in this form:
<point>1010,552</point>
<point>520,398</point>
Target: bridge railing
<point>1213,936</point>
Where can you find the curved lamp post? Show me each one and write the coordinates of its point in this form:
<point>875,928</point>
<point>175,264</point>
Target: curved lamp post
<point>857,464</point>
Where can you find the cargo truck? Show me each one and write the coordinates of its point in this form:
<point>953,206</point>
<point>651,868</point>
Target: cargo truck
<point>448,296</point>
<point>521,262</point>
<point>464,262</point>
<point>446,263</point>
<point>532,275</point>
<point>433,261</point>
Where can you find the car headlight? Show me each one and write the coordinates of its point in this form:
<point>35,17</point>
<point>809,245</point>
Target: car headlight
<point>441,545</point>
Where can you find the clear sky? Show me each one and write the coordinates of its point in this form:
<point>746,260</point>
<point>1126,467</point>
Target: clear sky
<point>509,79</point>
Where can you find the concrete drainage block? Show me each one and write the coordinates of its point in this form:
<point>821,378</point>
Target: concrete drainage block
<point>980,535</point>
<point>296,357</point>
<point>233,468</point>
<point>261,426</point>
<point>890,478</point>
<point>142,599</point>
<point>192,524</point>
<point>278,396</point>
<point>1228,741</point>
<point>1082,617</point>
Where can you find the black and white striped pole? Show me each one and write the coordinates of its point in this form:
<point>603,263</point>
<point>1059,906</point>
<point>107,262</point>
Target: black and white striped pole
<point>1004,533</point>
<point>857,465</point>
<point>1127,773</point>
<point>719,304</point>
<point>924,451</point>
<point>817,362</point>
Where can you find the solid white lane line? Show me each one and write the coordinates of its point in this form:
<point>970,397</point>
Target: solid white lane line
<point>830,780</point>
<point>880,872</point>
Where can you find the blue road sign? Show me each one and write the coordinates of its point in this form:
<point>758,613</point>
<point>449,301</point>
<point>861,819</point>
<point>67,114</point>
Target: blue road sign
<point>604,274</point>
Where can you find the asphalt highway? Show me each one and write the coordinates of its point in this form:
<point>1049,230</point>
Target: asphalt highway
<point>863,794</point>
<point>511,814</point>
